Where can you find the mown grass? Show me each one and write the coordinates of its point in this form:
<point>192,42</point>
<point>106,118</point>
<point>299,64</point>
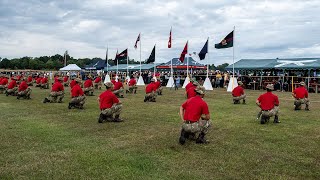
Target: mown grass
<point>48,141</point>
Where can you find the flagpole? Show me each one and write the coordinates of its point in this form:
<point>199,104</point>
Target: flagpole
<point>234,27</point>
<point>208,59</point>
<point>107,61</point>
<point>140,53</point>
<point>154,69</point>
<point>127,62</point>
<point>170,47</point>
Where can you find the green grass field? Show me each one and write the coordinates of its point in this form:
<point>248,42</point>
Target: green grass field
<point>49,141</point>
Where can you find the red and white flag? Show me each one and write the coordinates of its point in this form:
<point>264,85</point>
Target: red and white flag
<point>169,42</point>
<point>138,39</point>
<point>184,52</point>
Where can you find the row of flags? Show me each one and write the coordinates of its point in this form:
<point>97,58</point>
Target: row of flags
<point>227,42</point>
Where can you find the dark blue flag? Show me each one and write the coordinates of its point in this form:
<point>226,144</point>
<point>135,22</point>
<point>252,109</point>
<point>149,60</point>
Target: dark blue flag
<point>204,51</point>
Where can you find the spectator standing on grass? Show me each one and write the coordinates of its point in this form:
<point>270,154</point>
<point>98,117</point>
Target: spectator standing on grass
<point>195,116</point>
<point>300,95</point>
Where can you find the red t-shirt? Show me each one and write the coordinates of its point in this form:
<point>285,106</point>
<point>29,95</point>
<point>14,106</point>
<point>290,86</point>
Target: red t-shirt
<point>39,80</point>
<point>97,80</point>
<point>88,83</point>
<point>194,108</point>
<point>237,91</point>
<point>76,91</point>
<point>4,81</point>
<point>65,79</point>
<point>113,81</point>
<point>72,83</point>
<point>132,82</point>
<point>189,85</point>
<point>30,79</point>
<point>151,87</point>
<point>56,79</point>
<point>117,86</point>
<point>191,93</point>
<point>1,79</point>
<point>301,92</point>
<point>44,80</point>
<point>57,86</point>
<point>23,86</point>
<point>19,77</point>
<point>158,84</point>
<point>12,84</point>
<point>107,99</point>
<point>268,101</point>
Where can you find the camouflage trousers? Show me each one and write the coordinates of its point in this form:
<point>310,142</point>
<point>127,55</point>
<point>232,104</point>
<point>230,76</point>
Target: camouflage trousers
<point>54,95</point>
<point>238,98</point>
<point>114,110</point>
<point>80,100</point>
<point>299,102</point>
<point>66,84</point>
<point>270,113</point>
<point>2,88</point>
<point>30,83</point>
<point>159,90</point>
<point>151,96</point>
<point>12,91</point>
<point>118,92</point>
<point>45,86</point>
<point>97,85</point>
<point>201,126</point>
<point>88,91</point>
<point>25,93</point>
<point>131,88</point>
<point>38,85</point>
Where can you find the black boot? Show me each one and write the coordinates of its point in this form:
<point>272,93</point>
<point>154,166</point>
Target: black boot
<point>101,118</point>
<point>307,108</point>
<point>70,105</point>
<point>201,139</point>
<point>117,119</point>
<point>244,101</point>
<point>135,91</point>
<point>262,119</point>
<point>276,119</point>
<point>182,139</point>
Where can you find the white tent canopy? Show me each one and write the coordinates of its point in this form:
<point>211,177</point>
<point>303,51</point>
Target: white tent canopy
<point>71,67</point>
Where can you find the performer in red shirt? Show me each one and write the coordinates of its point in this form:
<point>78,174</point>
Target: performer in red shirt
<point>158,86</point>
<point>66,80</point>
<point>151,90</point>
<point>118,89</point>
<point>12,87</point>
<point>72,83</point>
<point>301,95</point>
<point>132,86</point>
<point>191,90</point>
<point>238,94</point>
<point>3,83</point>
<point>98,82</point>
<point>78,97</point>
<point>88,86</point>
<point>109,105</point>
<point>195,116</point>
<point>23,90</point>
<point>44,83</point>
<point>269,104</point>
<point>38,81</point>
<point>30,80</point>
<point>57,91</point>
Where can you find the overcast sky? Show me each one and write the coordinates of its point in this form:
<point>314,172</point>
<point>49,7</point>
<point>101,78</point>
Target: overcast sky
<point>263,29</point>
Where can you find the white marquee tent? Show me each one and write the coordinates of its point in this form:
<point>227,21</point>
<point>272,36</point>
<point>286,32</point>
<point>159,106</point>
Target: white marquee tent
<point>70,67</point>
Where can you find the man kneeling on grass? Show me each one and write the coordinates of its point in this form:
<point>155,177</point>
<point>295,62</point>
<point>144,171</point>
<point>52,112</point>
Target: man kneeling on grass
<point>109,105</point>
<point>196,118</point>
<point>78,97</point>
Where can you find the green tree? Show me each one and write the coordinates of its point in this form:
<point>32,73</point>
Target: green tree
<point>222,67</point>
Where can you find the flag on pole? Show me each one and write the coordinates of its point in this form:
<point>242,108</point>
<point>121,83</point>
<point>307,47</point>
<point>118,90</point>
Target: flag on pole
<point>204,51</point>
<point>169,42</point>
<point>152,57</point>
<point>115,59</point>
<point>184,52</point>
<point>136,44</point>
<point>226,42</point>
<point>122,56</point>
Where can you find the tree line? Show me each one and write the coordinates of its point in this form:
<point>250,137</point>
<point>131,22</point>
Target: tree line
<point>56,62</point>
